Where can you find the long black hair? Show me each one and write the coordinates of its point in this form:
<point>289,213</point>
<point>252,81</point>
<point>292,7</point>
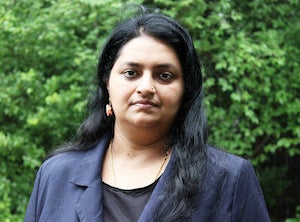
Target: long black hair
<point>188,134</point>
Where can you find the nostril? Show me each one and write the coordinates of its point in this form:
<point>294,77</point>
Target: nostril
<point>146,90</point>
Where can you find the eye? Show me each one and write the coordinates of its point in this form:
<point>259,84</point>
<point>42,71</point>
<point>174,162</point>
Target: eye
<point>129,73</point>
<point>166,77</point>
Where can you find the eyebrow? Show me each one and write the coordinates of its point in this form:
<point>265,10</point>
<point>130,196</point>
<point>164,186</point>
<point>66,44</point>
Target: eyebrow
<point>163,65</point>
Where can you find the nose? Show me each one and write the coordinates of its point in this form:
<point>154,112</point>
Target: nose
<point>146,84</point>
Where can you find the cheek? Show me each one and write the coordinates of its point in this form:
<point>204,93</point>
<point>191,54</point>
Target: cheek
<point>119,94</point>
<point>173,97</point>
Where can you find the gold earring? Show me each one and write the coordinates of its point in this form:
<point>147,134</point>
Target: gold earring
<point>109,110</point>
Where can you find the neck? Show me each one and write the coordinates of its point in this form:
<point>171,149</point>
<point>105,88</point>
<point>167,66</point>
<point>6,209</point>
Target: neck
<point>142,137</point>
<point>137,166</point>
<point>136,143</point>
<point>132,162</point>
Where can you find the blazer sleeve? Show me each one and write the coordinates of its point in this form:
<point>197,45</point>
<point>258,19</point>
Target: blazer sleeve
<point>32,208</point>
<point>248,201</point>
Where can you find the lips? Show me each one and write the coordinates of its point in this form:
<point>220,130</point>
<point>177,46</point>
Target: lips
<point>145,103</point>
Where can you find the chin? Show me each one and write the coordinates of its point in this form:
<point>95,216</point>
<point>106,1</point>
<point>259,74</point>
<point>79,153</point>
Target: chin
<point>146,123</point>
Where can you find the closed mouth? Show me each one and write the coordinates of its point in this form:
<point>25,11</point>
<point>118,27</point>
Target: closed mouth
<point>145,103</point>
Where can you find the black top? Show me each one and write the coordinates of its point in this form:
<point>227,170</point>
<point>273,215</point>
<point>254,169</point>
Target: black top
<point>125,205</point>
<point>68,188</point>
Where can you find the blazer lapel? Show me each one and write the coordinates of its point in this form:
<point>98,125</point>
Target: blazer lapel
<point>88,177</point>
<point>153,203</point>
<point>89,207</point>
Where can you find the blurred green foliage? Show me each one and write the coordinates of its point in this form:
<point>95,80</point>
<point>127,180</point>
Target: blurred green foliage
<point>250,52</point>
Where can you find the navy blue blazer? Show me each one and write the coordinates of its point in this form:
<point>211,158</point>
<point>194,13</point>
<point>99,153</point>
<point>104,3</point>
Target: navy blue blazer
<point>68,187</point>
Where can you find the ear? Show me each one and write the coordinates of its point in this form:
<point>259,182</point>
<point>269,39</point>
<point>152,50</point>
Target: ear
<point>107,85</point>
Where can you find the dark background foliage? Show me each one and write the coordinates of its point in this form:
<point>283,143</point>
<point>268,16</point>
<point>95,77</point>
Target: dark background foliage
<point>250,52</point>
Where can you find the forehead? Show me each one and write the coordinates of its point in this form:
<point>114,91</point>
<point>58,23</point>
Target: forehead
<point>148,49</point>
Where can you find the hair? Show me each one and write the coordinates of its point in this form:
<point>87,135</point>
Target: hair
<point>188,134</point>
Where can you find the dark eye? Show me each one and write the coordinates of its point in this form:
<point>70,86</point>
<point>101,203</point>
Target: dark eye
<point>165,76</point>
<point>129,73</point>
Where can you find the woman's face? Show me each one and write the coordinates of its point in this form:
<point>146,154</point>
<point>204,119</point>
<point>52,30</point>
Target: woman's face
<point>146,84</point>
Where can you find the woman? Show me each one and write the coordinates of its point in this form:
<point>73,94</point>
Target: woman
<point>142,154</point>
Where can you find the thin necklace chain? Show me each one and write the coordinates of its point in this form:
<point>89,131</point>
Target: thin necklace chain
<point>112,163</point>
<point>157,174</point>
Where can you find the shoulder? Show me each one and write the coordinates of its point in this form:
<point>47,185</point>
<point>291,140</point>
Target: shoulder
<point>60,182</point>
<point>59,168</point>
<point>62,162</point>
<point>73,162</point>
<point>220,160</point>
<point>228,171</point>
<point>77,167</point>
<point>230,183</point>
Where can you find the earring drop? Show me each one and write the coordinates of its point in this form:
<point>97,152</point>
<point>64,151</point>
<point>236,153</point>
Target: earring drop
<point>109,110</point>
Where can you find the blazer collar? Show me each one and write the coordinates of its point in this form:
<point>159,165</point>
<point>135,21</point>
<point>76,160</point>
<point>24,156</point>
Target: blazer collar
<point>88,176</point>
<point>152,205</point>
